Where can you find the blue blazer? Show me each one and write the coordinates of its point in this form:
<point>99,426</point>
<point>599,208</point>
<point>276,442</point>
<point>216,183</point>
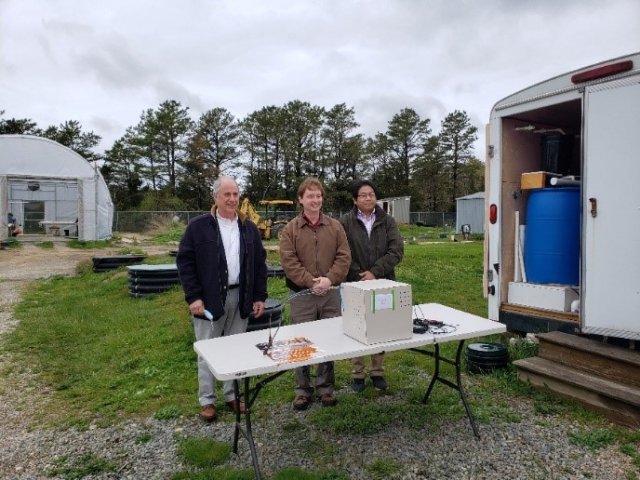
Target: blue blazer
<point>202,265</point>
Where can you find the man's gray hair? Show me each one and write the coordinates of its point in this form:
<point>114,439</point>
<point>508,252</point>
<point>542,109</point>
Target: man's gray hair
<point>220,180</point>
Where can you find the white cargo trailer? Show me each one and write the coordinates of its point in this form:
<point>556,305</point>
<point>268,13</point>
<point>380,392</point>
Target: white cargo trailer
<point>562,235</point>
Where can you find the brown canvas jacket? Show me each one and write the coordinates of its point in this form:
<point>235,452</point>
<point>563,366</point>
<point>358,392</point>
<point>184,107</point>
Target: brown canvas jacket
<point>306,253</point>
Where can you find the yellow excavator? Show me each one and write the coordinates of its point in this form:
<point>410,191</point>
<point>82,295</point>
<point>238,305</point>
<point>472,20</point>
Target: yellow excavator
<point>269,227</point>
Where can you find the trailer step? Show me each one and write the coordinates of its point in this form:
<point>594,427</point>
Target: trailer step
<point>614,363</point>
<point>620,403</point>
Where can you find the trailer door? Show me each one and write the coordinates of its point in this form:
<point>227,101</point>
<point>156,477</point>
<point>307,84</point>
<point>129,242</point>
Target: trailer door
<point>611,211</point>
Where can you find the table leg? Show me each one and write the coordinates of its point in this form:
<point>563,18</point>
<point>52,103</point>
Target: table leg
<point>456,386</point>
<point>236,431</point>
<point>247,431</point>
<point>250,395</point>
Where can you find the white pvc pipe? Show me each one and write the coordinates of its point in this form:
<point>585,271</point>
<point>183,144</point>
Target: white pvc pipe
<point>523,271</point>
<point>516,248</point>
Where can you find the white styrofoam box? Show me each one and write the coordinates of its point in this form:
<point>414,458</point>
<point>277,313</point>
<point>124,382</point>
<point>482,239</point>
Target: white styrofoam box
<point>377,311</point>
<point>548,297</point>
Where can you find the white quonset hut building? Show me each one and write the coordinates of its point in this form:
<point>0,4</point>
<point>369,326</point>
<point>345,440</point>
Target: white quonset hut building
<point>50,189</point>
<point>470,211</point>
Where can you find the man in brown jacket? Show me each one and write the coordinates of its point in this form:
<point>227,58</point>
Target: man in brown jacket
<point>315,256</point>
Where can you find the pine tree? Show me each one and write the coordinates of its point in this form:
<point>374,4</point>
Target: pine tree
<point>456,139</point>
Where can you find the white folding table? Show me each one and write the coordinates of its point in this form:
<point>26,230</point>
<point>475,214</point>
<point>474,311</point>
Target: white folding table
<point>237,357</point>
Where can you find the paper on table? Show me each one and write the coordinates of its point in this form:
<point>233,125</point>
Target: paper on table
<point>291,350</point>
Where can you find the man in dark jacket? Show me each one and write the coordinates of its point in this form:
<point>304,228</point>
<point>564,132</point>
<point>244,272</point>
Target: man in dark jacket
<point>376,249</point>
<point>221,262</point>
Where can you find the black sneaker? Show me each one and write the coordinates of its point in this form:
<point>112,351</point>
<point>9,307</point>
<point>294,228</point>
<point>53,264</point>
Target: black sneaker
<point>379,383</point>
<point>358,385</point>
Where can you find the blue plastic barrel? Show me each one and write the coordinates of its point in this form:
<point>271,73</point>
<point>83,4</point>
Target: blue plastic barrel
<point>552,241</point>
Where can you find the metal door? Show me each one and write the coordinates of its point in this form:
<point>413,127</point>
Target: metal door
<point>33,215</point>
<point>611,211</point>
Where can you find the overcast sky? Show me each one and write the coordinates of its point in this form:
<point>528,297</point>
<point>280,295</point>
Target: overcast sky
<point>104,62</point>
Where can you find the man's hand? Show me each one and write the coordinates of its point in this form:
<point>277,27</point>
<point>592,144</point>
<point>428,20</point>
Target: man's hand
<point>367,276</point>
<point>197,308</point>
<point>258,309</point>
<point>321,286</point>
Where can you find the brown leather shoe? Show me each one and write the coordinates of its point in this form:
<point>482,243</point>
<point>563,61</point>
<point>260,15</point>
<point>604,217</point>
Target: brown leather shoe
<point>232,406</point>
<point>301,402</point>
<point>328,400</point>
<point>208,413</point>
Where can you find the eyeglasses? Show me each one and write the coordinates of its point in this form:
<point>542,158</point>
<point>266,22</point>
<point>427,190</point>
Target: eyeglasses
<point>367,195</point>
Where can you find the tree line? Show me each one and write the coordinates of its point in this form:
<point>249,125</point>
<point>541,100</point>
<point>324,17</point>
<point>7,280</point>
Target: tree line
<point>169,160</point>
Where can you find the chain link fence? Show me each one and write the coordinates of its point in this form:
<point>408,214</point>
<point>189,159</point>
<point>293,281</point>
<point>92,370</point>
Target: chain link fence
<point>433,219</point>
<point>141,221</point>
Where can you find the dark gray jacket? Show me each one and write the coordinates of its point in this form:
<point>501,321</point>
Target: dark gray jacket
<point>379,253</point>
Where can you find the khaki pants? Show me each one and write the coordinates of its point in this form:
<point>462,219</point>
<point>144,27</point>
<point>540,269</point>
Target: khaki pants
<point>376,369</point>
<point>229,324</point>
<point>307,308</point>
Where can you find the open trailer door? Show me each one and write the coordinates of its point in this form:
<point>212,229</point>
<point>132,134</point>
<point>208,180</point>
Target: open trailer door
<point>611,211</point>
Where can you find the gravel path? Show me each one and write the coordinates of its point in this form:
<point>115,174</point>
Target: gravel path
<point>537,447</point>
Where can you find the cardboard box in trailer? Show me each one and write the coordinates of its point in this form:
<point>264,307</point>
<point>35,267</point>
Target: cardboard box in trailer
<point>562,233</point>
